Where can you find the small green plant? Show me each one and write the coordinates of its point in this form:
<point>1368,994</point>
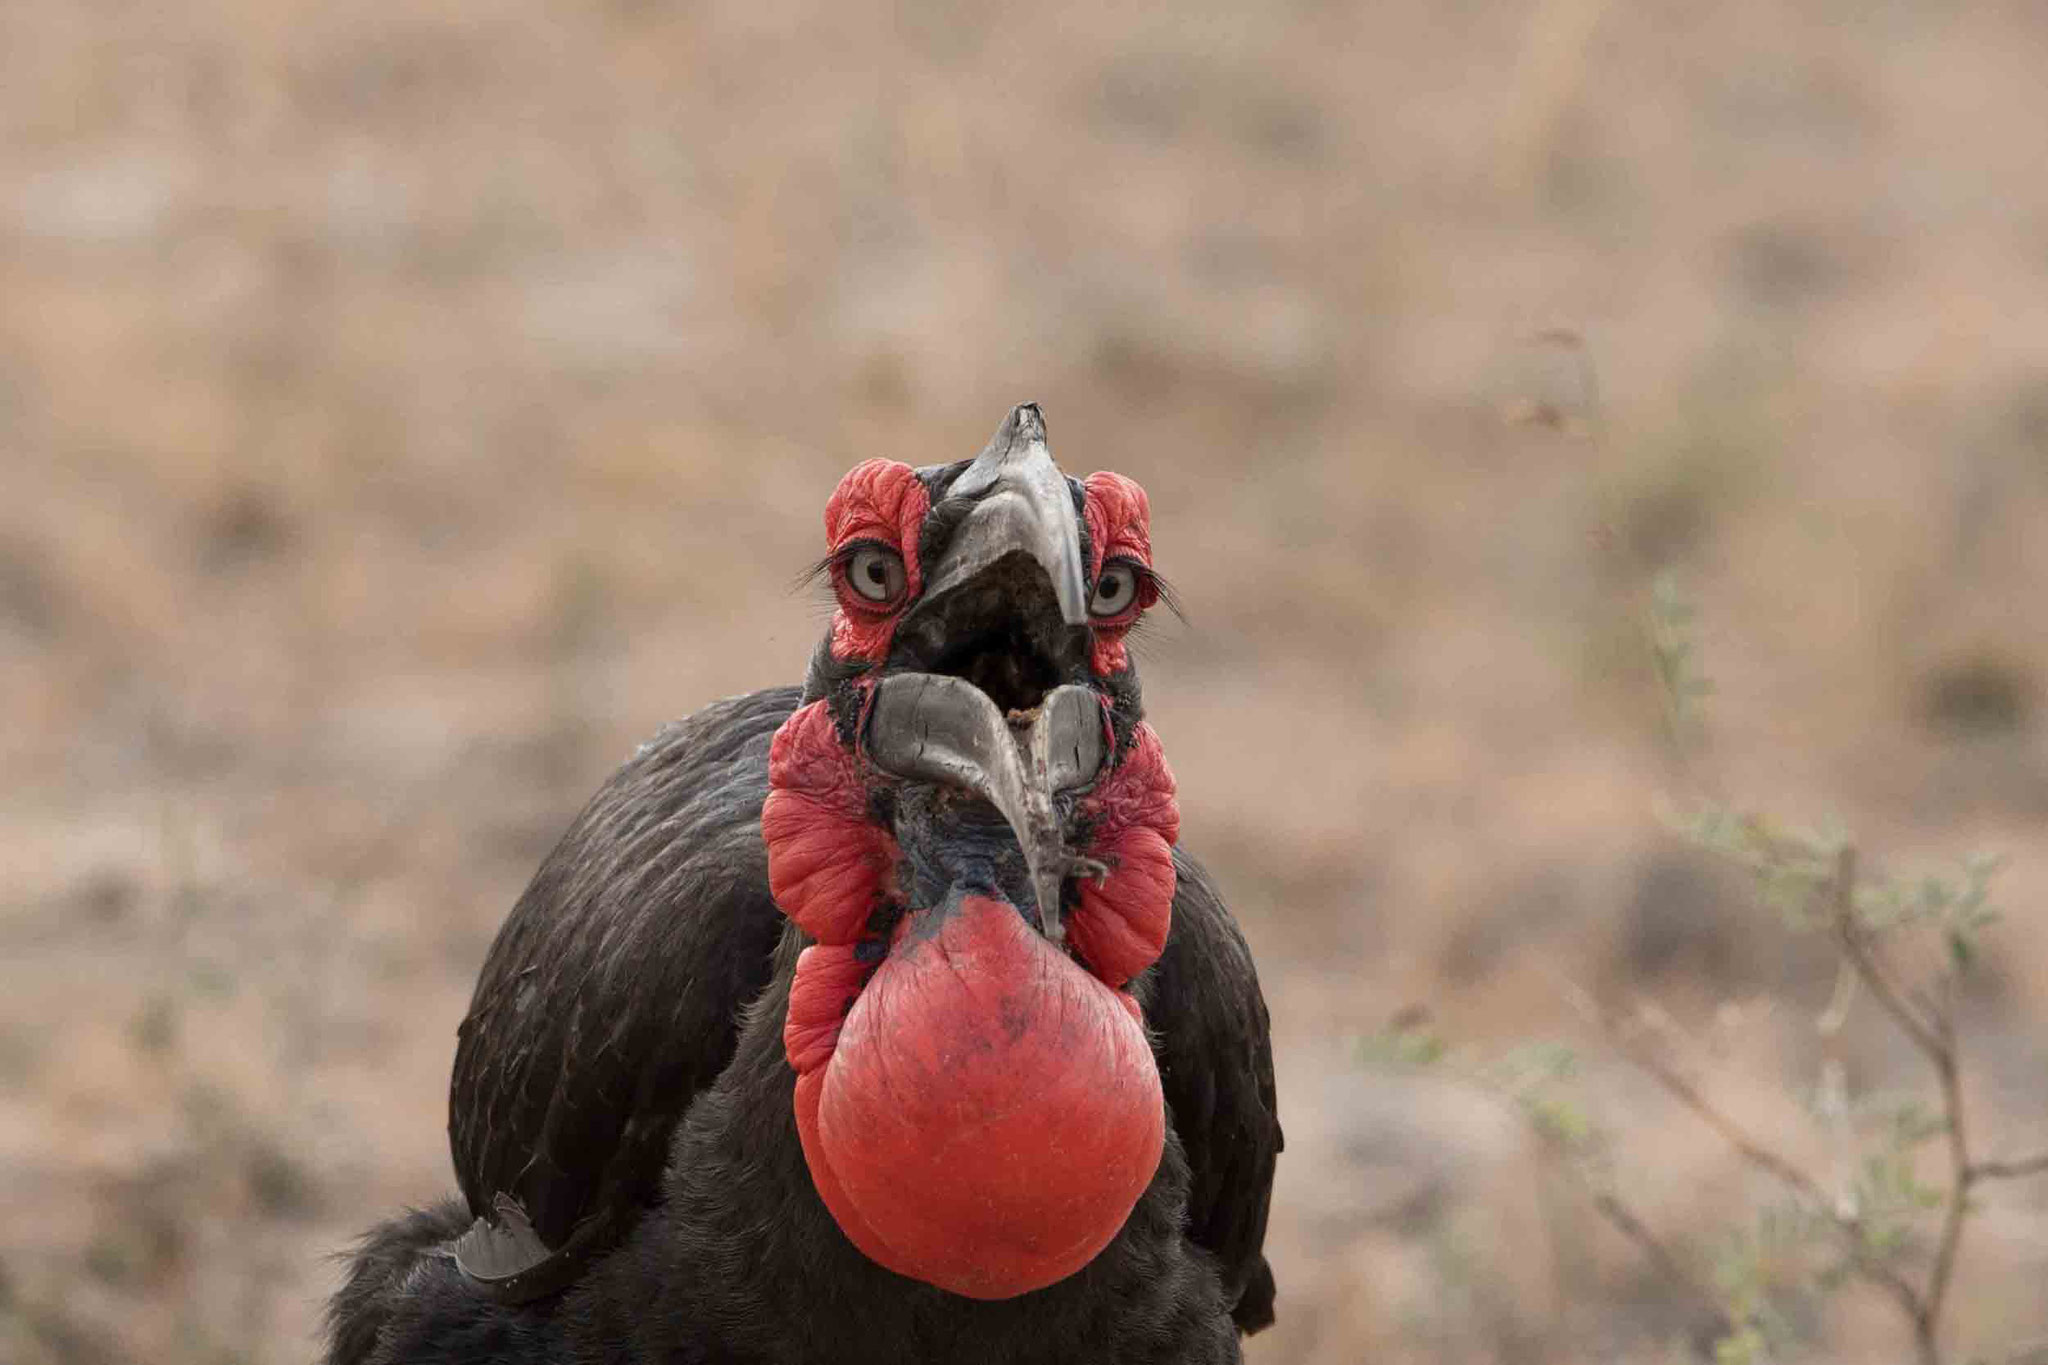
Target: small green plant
<point>1675,656</point>
<point>1884,1225</point>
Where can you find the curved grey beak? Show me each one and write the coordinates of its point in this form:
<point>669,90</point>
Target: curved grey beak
<point>934,728</point>
<point>1025,504</point>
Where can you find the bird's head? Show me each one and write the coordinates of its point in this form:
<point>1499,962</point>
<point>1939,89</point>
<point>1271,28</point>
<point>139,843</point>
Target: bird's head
<point>971,819</point>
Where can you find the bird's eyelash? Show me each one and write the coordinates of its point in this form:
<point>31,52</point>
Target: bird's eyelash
<point>812,574</point>
<point>838,559</point>
<point>1150,577</point>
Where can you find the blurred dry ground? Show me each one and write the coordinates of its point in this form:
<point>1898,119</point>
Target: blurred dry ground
<point>404,411</point>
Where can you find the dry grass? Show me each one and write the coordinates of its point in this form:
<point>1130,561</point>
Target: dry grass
<point>403,412</point>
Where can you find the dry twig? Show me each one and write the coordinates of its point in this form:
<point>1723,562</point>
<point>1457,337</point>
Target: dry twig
<point>2010,1170</point>
<point>1809,1190</point>
<point>1624,1220</point>
<point>1931,1028</point>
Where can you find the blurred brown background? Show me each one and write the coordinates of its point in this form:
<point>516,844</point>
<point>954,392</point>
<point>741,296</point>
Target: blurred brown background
<point>406,410</point>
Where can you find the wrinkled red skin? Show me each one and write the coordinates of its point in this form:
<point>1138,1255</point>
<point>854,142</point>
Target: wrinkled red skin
<point>878,500</point>
<point>978,1109</point>
<point>829,866</point>
<point>1120,926</point>
<point>1119,527</point>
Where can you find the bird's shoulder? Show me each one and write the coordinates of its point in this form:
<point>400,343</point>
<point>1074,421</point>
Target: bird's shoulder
<point>612,994</point>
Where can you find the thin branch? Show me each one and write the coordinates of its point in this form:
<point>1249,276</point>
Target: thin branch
<point>1936,1039</point>
<point>2010,1170</point>
<point>1764,1159</point>
<point>1854,943</point>
<point>1624,1220</point>
<point>1750,1150</point>
<point>1957,1210</point>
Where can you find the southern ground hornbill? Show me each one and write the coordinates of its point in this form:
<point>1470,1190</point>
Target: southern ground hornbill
<point>878,1019</point>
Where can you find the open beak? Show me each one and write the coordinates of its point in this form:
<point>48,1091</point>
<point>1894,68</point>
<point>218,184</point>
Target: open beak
<point>934,728</point>
<point>1024,509</point>
<point>980,692</point>
<point>1025,504</point>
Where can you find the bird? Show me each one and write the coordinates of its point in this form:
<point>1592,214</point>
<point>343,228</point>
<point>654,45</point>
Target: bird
<point>875,1018</point>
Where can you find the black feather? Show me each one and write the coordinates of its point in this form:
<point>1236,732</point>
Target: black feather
<point>620,1082</point>
<point>611,996</point>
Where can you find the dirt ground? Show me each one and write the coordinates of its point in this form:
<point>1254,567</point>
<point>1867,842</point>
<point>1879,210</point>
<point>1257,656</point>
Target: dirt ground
<point>405,410</point>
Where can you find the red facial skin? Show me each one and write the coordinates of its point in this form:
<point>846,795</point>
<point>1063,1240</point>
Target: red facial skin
<point>979,1109</point>
<point>829,866</point>
<point>879,500</point>
<point>1119,527</point>
<point>1120,926</point>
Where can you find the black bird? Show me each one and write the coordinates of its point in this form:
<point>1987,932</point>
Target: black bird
<point>879,1019</point>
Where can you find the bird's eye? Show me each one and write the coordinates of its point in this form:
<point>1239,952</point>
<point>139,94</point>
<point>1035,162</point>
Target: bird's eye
<point>1114,590</point>
<point>876,573</point>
